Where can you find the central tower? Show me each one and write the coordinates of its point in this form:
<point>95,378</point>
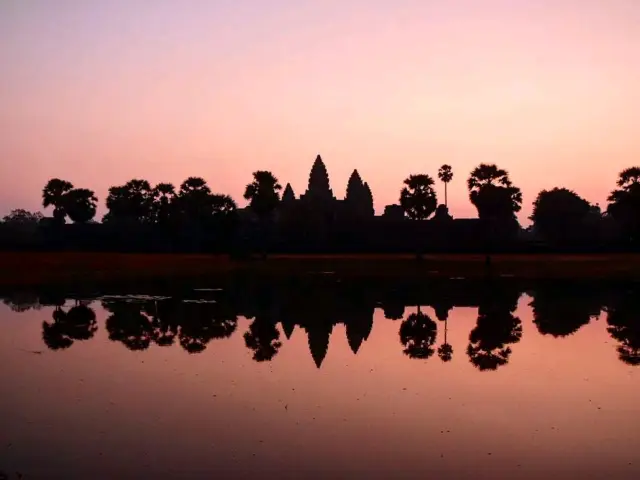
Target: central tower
<point>319,187</point>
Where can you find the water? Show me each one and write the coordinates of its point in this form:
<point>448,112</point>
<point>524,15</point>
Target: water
<point>322,379</point>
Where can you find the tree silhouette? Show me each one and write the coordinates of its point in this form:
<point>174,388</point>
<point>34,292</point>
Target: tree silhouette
<point>201,322</point>
<point>164,195</point>
<point>418,335</point>
<point>445,351</point>
<point>560,309</point>
<point>494,196</point>
<point>264,196</point>
<point>496,328</point>
<point>262,338</point>
<point>263,193</point>
<point>79,323</point>
<point>418,198</point>
<point>131,203</point>
<point>445,174</point>
<point>80,205</point>
<point>54,194</point>
<point>195,202</point>
<point>623,318</point>
<point>165,320</point>
<point>624,203</point>
<point>23,218</point>
<point>129,325</point>
<point>22,301</point>
<point>559,215</point>
<point>222,204</point>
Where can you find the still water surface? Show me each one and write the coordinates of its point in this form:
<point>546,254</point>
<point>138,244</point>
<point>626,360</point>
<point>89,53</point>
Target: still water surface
<point>331,381</point>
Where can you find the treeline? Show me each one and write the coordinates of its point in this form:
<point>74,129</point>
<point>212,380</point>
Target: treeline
<point>191,217</point>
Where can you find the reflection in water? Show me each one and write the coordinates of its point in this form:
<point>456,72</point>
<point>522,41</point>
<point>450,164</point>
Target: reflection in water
<point>496,328</point>
<point>79,323</point>
<point>623,318</point>
<point>137,324</point>
<point>417,335</point>
<point>128,324</point>
<point>445,351</point>
<point>263,339</point>
<point>559,309</point>
<point>222,415</point>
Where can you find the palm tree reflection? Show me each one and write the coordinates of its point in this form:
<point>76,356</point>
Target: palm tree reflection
<point>496,328</point>
<point>418,335</point>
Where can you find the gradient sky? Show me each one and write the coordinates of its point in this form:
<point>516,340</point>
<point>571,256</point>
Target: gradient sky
<point>99,92</point>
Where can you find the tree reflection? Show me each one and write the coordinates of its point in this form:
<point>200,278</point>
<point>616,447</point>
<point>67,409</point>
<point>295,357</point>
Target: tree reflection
<point>22,301</point>
<point>623,318</point>
<point>193,323</point>
<point>263,339</point>
<point>560,310</point>
<point>197,326</point>
<point>129,325</point>
<point>79,323</point>
<point>418,335</point>
<point>445,351</point>
<point>495,329</point>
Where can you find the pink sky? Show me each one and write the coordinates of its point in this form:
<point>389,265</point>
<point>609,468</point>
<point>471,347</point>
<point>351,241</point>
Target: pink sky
<point>101,92</point>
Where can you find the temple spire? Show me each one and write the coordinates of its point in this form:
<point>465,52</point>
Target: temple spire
<point>319,185</point>
<point>288,195</point>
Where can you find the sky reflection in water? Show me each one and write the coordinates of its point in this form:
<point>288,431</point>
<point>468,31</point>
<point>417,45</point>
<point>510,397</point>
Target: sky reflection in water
<point>331,381</point>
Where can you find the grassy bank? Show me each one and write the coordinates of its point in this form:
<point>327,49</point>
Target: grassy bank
<point>51,268</point>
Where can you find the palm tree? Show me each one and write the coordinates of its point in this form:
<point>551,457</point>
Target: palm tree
<point>445,174</point>
<point>492,192</point>
<point>195,201</point>
<point>264,196</point>
<point>163,196</point>
<point>418,198</point>
<point>80,205</point>
<point>53,194</point>
<point>263,193</point>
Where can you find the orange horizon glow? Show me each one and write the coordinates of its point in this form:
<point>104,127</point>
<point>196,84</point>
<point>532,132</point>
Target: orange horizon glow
<point>99,93</point>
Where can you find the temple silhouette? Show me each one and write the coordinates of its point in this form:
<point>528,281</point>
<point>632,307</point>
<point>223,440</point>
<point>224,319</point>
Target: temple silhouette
<point>317,220</point>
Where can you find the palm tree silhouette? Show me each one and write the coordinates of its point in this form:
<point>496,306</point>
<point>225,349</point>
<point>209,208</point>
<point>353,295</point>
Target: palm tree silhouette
<point>488,342</point>
<point>445,351</point>
<point>418,198</point>
<point>54,194</point>
<point>263,194</point>
<point>445,174</point>
<point>418,334</point>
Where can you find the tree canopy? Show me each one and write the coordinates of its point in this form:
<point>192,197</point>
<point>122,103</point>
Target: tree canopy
<point>560,215</point>
<point>418,198</point>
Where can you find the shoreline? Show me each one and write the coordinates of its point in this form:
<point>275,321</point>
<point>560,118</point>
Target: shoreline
<point>42,268</point>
